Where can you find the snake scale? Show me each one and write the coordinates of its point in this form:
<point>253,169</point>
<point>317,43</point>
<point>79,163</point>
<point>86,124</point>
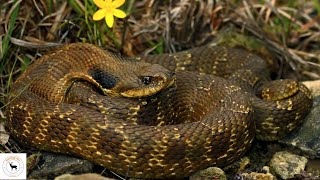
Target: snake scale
<point>141,119</point>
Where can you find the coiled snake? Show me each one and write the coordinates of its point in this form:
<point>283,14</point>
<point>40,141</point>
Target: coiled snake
<point>140,119</point>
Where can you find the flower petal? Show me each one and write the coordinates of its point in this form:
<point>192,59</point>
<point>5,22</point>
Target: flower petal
<point>117,3</point>
<point>100,3</point>
<point>99,14</point>
<point>119,13</point>
<point>109,19</point>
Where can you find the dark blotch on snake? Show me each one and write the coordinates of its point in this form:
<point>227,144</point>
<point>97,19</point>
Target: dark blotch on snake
<point>105,79</point>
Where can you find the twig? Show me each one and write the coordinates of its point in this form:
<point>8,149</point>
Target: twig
<point>57,21</point>
<point>27,44</point>
<point>37,7</point>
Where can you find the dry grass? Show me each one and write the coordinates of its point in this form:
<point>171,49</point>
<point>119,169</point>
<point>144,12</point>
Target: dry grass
<point>290,30</point>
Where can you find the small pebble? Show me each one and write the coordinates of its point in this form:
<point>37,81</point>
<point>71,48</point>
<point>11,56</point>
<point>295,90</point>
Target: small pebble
<point>209,174</point>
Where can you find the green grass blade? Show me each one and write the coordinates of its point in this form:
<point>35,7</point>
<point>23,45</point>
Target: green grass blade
<point>6,39</point>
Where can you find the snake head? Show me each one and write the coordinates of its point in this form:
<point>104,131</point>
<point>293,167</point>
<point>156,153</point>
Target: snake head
<point>134,80</point>
<point>146,80</point>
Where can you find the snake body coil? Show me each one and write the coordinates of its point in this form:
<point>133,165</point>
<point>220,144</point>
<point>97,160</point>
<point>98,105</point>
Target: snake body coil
<point>139,119</point>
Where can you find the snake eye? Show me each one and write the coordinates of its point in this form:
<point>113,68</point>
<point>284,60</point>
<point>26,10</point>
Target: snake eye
<point>146,80</point>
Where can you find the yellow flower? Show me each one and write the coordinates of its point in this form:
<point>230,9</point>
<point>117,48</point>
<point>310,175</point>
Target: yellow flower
<point>108,9</point>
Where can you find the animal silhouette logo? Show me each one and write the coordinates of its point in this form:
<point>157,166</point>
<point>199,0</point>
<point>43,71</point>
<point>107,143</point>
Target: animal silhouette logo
<point>13,166</point>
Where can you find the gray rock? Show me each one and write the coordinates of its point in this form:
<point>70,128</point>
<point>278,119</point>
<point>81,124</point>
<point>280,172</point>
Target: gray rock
<point>313,86</point>
<point>209,173</point>
<point>256,176</point>
<point>307,136</point>
<point>287,165</point>
<point>87,176</point>
<point>52,165</point>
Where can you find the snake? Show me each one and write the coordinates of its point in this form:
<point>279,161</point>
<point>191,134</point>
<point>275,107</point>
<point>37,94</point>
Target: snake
<point>156,116</point>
